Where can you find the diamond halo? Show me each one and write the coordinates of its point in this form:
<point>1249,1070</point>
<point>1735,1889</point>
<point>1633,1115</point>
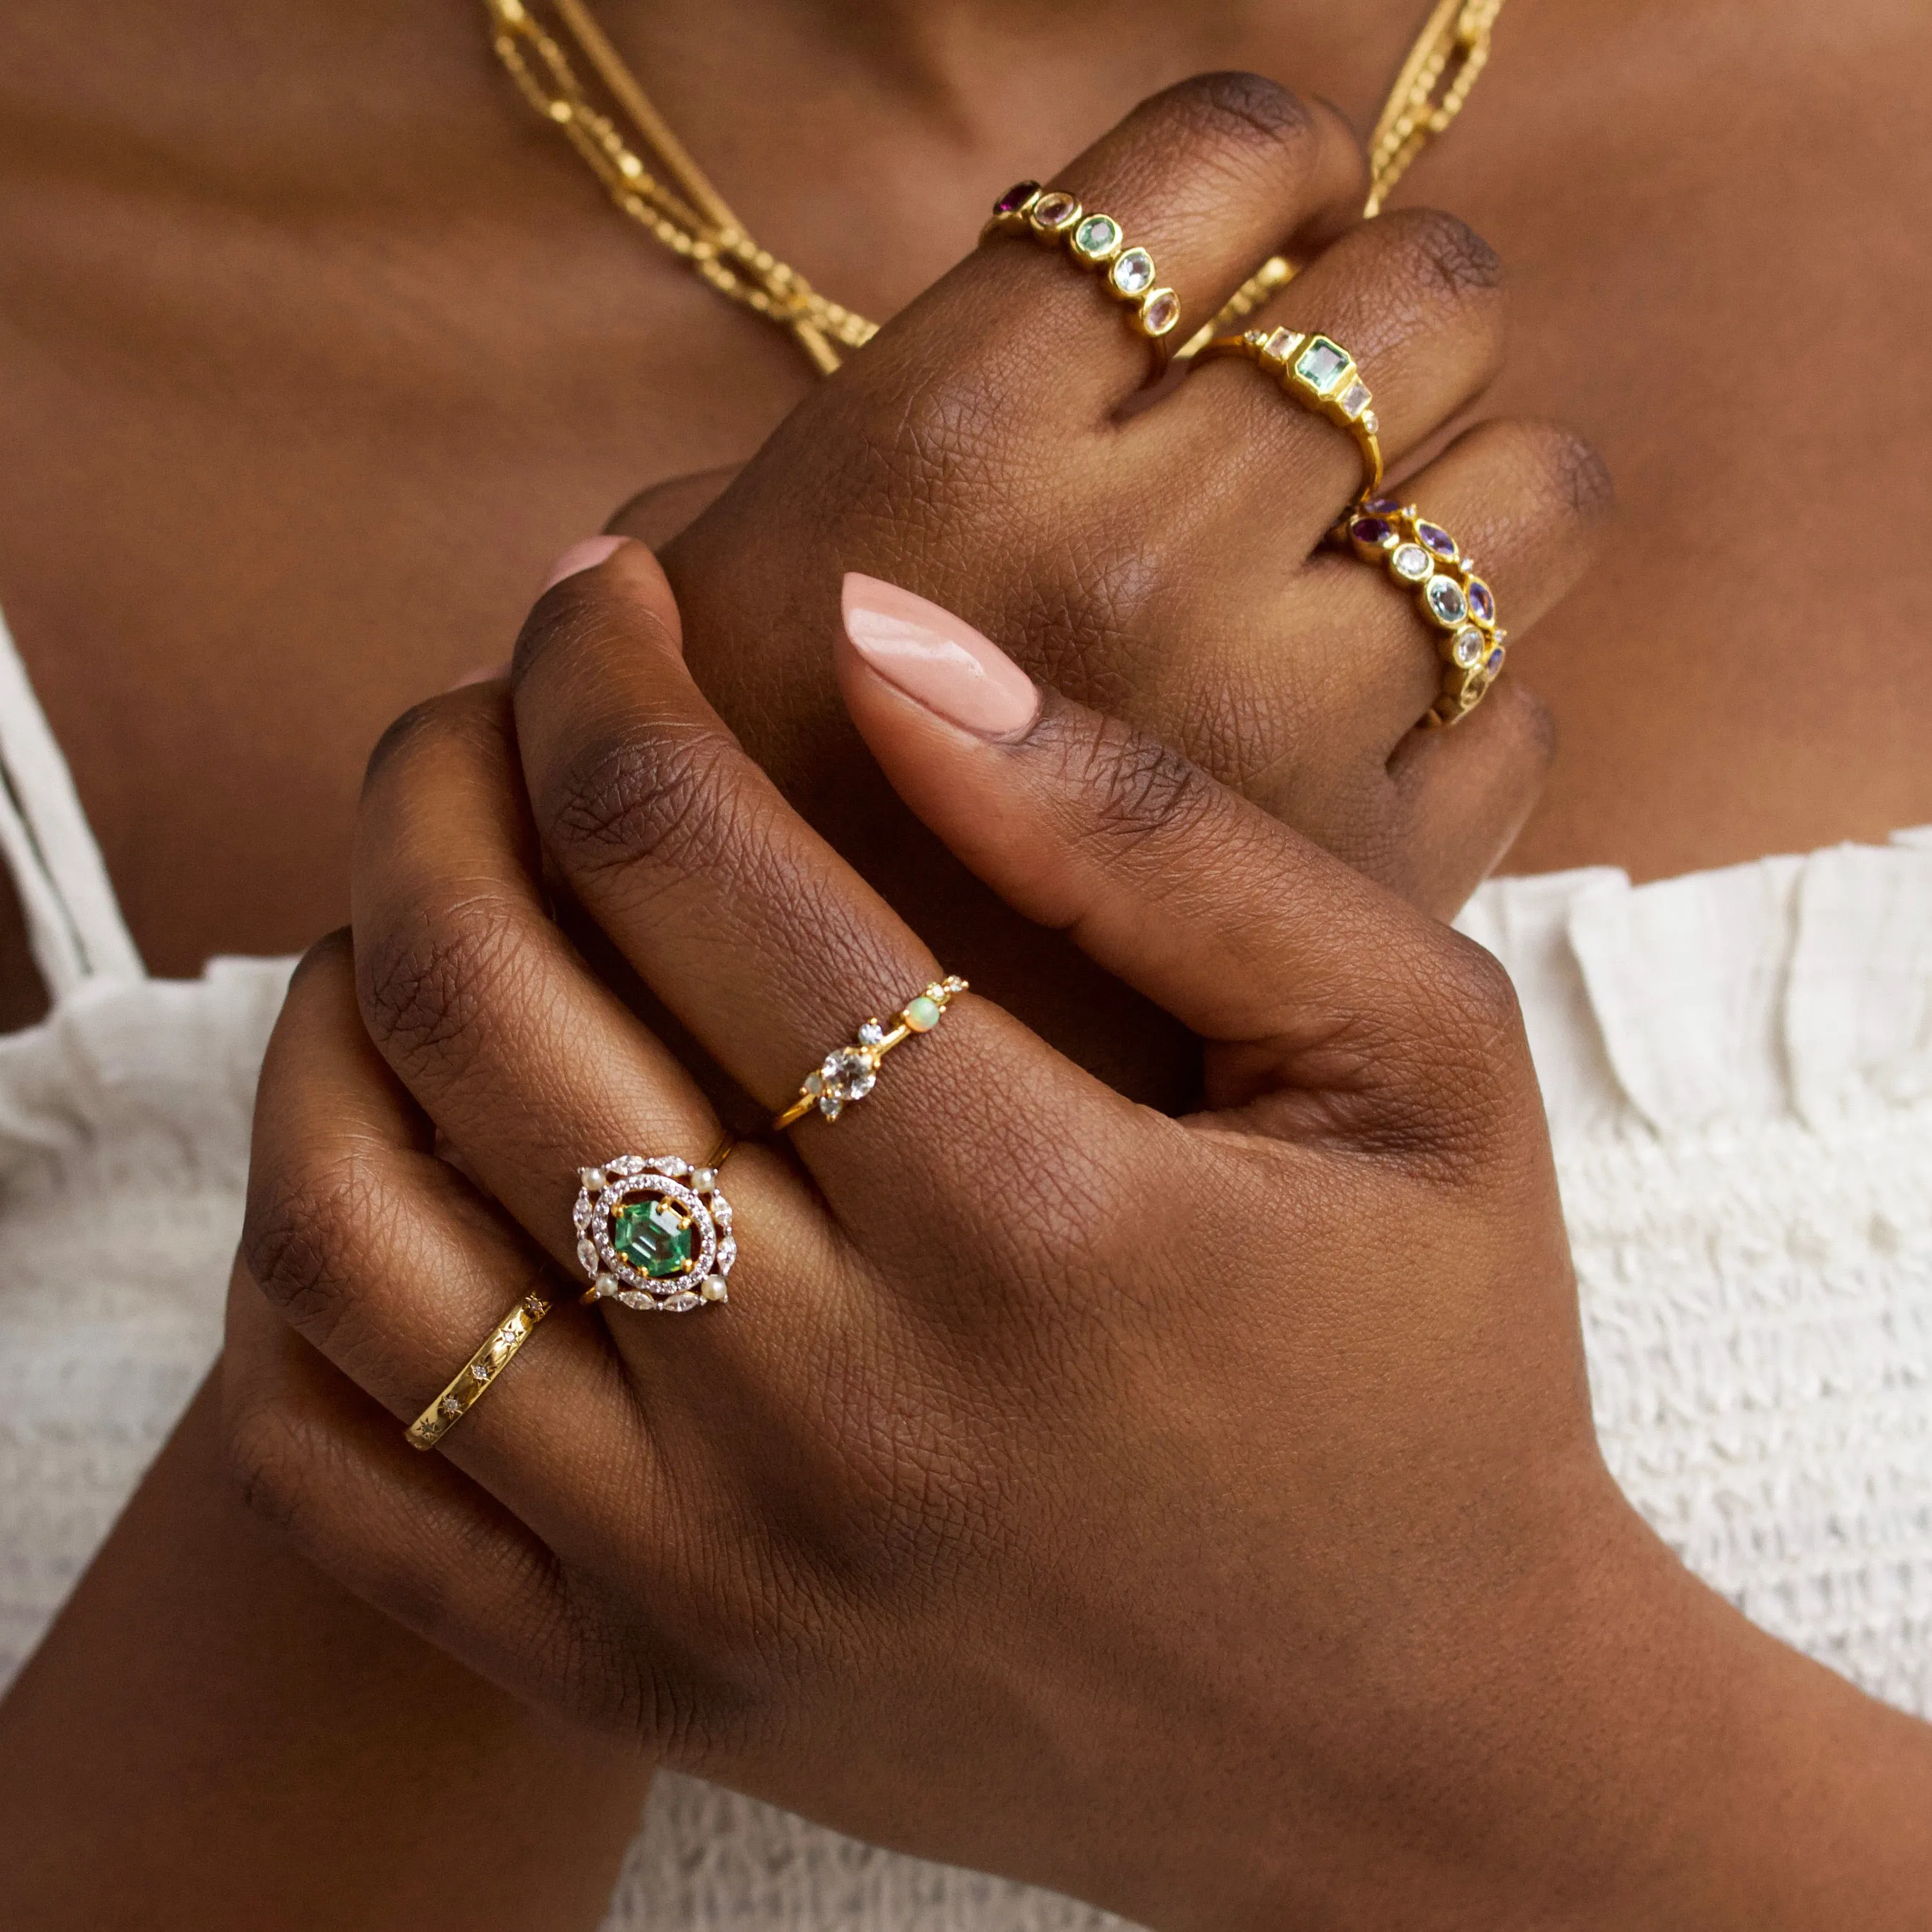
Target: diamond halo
<point>625,1182</point>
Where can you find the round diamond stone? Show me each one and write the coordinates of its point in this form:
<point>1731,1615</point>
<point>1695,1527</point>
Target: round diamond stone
<point>1468,649</point>
<point>449,1406</point>
<point>1132,275</point>
<point>1447,604</point>
<point>1410,562</point>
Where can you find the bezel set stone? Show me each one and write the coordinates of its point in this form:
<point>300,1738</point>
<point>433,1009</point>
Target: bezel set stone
<point>1322,376</point>
<point>692,1191</point>
<point>1094,241</point>
<point>1460,607</point>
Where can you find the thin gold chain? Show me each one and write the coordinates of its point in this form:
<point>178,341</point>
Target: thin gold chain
<point>679,207</point>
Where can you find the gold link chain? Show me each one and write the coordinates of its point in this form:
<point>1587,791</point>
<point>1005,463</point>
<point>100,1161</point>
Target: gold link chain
<point>685,214</point>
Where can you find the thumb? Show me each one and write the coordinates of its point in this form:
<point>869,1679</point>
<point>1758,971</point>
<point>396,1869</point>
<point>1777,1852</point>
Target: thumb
<point>1244,930</point>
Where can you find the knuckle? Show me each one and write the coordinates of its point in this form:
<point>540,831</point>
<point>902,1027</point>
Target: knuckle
<point>1443,255</point>
<point>268,1462</point>
<point>1478,1015</point>
<point>1134,786</point>
<point>1564,471</point>
<point>303,1236</point>
<point>652,800</point>
<point>1531,726</point>
<point>1244,109</point>
<point>427,976</point>
<point>421,721</point>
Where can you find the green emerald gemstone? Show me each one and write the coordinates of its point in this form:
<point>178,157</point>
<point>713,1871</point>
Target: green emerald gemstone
<point>653,1237</point>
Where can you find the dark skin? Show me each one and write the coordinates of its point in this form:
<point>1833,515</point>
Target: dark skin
<point>155,536</point>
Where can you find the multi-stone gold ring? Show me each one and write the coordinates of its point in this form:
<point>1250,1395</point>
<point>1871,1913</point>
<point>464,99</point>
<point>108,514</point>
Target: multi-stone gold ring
<point>849,1073</point>
<point>1317,372</point>
<point>1457,603</point>
<point>1097,241</point>
<point>654,1233</point>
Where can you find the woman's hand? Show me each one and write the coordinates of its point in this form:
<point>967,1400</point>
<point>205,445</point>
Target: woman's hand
<point>1164,565</point>
<point>1202,1515</point>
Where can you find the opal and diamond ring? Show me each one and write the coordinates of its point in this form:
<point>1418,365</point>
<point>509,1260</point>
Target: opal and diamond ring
<point>1096,241</point>
<point>1455,600</point>
<point>849,1073</point>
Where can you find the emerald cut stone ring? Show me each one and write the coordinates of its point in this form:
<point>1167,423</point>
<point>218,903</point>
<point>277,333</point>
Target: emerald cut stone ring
<point>654,1232</point>
<point>849,1073</point>
<point>1321,375</point>
<point>1096,241</point>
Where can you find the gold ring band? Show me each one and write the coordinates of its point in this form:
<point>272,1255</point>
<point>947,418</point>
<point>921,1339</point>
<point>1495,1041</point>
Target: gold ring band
<point>1317,372</point>
<point>1457,603</point>
<point>850,1072</point>
<point>467,1387</point>
<point>654,1232</point>
<point>1097,241</point>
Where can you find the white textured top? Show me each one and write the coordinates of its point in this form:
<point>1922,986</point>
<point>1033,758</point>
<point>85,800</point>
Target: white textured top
<point>1739,1070</point>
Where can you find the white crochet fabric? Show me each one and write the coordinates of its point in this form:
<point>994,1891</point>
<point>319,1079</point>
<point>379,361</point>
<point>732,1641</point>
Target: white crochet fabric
<point>1739,1070</point>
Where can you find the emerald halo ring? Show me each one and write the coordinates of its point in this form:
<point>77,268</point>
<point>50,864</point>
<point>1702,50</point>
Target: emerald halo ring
<point>654,1233</point>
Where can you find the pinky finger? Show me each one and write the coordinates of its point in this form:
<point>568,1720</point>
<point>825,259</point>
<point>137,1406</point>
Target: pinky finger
<point>323,1465</point>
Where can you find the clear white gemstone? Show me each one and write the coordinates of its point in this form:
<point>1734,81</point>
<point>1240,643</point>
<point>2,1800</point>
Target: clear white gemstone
<point>587,1256</point>
<point>860,1084</point>
<point>625,1163</point>
<point>633,1297</point>
<point>1133,274</point>
<point>871,1033</point>
<point>679,1304</point>
<point>481,1373</point>
<point>1354,399</point>
<point>704,1179</point>
<point>720,1211</point>
<point>1411,561</point>
<point>582,1213</point>
<point>1372,422</point>
<point>831,1104</point>
<point>728,1253</point>
<point>450,1405</point>
<point>1468,648</point>
<point>1282,344</point>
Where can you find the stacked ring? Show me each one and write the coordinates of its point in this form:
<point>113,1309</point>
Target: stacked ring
<point>466,1391</point>
<point>1322,376</point>
<point>1458,604</point>
<point>1095,241</point>
<point>655,1233</point>
<point>850,1072</point>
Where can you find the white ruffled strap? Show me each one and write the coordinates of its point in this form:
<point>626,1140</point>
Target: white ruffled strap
<point>74,919</point>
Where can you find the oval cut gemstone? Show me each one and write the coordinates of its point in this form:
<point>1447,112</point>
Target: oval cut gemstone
<point>1016,197</point>
<point>1133,273</point>
<point>1482,604</point>
<point>1468,648</point>
<point>1097,237</point>
<point>1382,506</point>
<point>1496,663</point>
<point>1322,364</point>
<point>653,1237</point>
<point>1447,604</point>
<point>1371,531</point>
<point>1437,539</point>
<point>1054,212</point>
<point>1411,562</point>
<point>1159,311</point>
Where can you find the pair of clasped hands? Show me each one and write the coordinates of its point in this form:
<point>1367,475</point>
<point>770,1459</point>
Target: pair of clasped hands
<point>1146,1451</point>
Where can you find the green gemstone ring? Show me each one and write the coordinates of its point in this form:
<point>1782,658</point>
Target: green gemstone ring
<point>654,1233</point>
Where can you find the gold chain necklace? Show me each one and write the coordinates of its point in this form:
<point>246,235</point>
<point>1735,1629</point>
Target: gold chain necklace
<point>679,207</point>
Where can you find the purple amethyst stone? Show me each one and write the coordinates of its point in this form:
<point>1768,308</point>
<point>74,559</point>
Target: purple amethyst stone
<point>1372,531</point>
<point>1495,663</point>
<point>1437,538</point>
<point>1016,197</point>
<point>1482,605</point>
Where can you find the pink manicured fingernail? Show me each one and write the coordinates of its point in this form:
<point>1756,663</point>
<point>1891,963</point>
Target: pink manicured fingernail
<point>585,556</point>
<point>938,659</point>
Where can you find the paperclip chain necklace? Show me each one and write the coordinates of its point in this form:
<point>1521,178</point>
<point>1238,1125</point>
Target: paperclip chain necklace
<point>679,207</point>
